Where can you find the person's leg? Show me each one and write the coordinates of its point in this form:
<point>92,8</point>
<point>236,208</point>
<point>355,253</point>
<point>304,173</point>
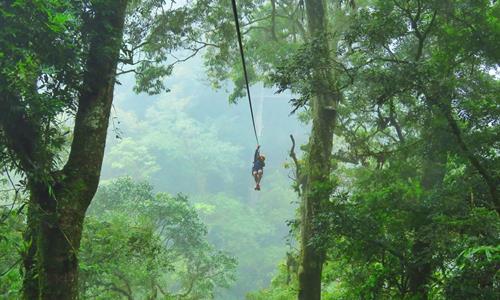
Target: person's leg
<point>256,178</point>
<point>259,176</point>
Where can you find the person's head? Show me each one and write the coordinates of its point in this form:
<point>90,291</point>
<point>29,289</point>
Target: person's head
<point>262,157</point>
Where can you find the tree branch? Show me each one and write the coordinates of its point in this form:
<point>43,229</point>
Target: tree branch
<point>83,168</point>
<point>298,173</point>
<point>488,178</point>
<point>394,122</point>
<point>273,20</point>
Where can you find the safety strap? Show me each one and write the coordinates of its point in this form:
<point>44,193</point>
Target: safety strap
<point>235,13</point>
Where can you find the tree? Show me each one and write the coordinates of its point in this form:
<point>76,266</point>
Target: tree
<point>317,184</point>
<point>58,198</point>
<point>157,243</point>
<point>60,60</point>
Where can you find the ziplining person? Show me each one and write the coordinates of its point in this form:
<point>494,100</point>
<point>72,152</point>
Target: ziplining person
<point>258,167</point>
<point>258,162</point>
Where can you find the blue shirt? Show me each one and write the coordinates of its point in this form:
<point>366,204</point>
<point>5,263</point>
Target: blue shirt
<point>257,163</point>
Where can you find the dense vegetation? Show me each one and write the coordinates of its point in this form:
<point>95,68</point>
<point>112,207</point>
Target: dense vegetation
<point>397,186</point>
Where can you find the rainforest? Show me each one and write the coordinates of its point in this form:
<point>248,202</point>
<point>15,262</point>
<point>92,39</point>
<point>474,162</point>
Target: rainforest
<point>250,149</point>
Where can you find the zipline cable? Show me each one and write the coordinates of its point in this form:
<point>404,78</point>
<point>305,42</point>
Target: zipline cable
<point>236,20</point>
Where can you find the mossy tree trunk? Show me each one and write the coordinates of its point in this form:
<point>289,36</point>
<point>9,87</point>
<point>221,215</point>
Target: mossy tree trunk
<point>435,153</point>
<point>58,203</point>
<point>317,186</point>
<point>30,281</point>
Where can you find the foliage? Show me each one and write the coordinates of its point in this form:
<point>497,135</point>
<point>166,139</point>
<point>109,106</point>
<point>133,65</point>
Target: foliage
<point>58,69</point>
<point>140,244</point>
<point>135,244</point>
<point>251,231</point>
<point>418,163</point>
<point>168,138</point>
<point>39,63</point>
<point>11,245</point>
<point>476,274</point>
<point>283,286</point>
<point>415,215</point>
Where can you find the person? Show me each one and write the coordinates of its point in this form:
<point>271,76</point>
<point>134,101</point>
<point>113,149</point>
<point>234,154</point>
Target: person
<point>258,167</point>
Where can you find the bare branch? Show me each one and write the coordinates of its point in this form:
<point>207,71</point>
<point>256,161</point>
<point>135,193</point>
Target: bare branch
<point>298,176</point>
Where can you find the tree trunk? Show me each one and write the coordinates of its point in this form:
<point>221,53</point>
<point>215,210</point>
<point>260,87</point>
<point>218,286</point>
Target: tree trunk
<point>59,203</point>
<point>435,134</point>
<point>30,277</point>
<point>58,240</point>
<point>317,187</point>
<point>419,270</point>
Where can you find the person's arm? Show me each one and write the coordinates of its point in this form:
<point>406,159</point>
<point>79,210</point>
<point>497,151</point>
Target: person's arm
<point>257,154</point>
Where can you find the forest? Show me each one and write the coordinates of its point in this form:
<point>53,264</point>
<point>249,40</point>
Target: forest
<point>249,149</point>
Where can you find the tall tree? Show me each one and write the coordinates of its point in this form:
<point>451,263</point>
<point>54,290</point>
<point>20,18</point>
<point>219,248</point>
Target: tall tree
<point>61,60</point>
<point>317,184</point>
<point>434,158</point>
<point>59,198</point>
<point>415,64</point>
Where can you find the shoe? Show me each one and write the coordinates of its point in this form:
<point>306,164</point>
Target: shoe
<point>257,187</point>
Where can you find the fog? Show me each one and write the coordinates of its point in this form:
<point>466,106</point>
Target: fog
<point>194,142</point>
